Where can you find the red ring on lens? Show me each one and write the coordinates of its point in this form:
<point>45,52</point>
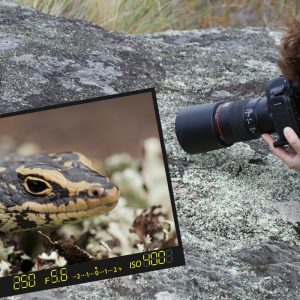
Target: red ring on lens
<point>218,125</point>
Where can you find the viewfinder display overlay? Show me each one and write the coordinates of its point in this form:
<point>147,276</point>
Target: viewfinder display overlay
<point>85,194</point>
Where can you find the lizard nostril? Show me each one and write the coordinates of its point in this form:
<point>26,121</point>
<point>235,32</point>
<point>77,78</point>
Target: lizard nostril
<point>95,192</point>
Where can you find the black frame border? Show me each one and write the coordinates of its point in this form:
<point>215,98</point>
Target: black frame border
<point>179,259</point>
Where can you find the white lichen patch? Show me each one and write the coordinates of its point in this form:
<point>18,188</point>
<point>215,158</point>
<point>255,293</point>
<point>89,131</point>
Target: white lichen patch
<point>53,257</point>
<point>4,268</point>
<point>132,186</point>
<point>9,42</point>
<point>262,65</point>
<point>5,251</point>
<point>98,74</point>
<point>276,35</point>
<point>154,175</point>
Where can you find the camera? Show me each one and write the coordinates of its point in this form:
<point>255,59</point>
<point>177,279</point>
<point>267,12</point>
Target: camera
<point>212,126</point>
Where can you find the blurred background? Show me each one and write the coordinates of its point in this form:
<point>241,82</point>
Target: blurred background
<point>146,16</point>
<point>97,129</point>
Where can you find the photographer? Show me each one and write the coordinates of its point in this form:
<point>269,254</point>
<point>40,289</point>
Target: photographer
<point>216,125</point>
<point>289,65</point>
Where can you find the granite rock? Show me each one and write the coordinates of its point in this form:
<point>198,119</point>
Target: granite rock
<point>238,243</point>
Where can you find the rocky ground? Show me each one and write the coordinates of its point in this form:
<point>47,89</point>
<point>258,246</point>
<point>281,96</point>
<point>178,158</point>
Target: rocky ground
<point>237,207</point>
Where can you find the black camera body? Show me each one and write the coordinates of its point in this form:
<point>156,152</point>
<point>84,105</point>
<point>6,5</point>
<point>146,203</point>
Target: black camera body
<point>283,98</point>
<point>212,126</point>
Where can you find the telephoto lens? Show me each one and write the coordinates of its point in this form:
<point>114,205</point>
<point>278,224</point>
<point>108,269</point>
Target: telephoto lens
<point>212,126</point>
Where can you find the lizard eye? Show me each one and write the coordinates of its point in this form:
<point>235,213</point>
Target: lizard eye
<point>37,186</point>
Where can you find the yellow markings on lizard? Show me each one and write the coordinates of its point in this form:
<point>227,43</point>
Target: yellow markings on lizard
<point>68,164</point>
<point>81,204</point>
<point>52,209</point>
<point>12,186</point>
<point>84,160</point>
<point>61,208</point>
<point>71,207</point>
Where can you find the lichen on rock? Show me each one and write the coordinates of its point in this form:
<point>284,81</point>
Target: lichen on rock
<point>227,201</point>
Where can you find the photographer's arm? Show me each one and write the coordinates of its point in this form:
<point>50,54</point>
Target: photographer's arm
<point>291,155</point>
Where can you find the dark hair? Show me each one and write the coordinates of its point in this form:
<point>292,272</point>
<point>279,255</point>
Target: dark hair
<point>289,62</point>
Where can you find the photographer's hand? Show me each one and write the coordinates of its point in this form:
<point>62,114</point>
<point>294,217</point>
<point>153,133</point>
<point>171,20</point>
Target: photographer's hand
<point>291,155</point>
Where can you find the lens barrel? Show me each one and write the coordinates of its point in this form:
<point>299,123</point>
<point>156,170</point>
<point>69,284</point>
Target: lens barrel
<point>212,126</point>
<point>195,129</point>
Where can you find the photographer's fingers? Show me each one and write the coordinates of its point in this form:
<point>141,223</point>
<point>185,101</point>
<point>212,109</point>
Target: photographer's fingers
<point>292,138</point>
<point>284,155</point>
<point>268,139</point>
<point>290,158</point>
